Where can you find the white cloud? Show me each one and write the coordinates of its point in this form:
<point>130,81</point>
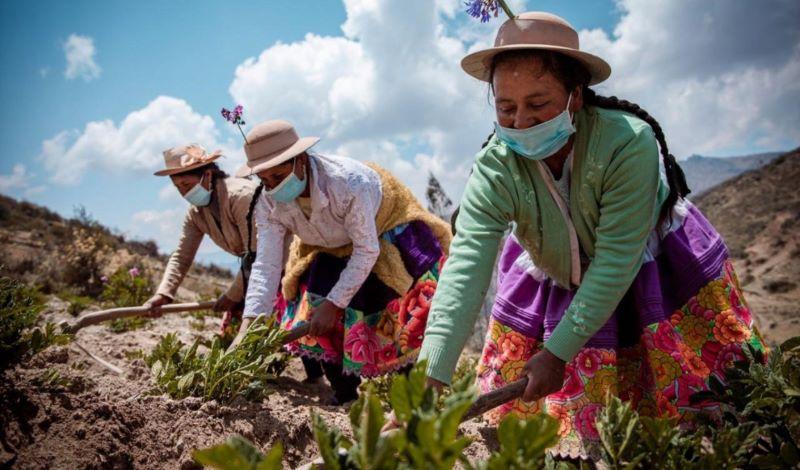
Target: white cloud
<point>163,226</point>
<point>136,143</point>
<point>390,90</point>
<point>44,72</point>
<point>19,182</point>
<point>721,77</point>
<point>79,52</point>
<point>168,193</point>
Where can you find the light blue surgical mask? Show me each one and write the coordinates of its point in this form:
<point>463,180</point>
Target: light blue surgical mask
<point>198,195</point>
<point>290,188</point>
<point>540,141</point>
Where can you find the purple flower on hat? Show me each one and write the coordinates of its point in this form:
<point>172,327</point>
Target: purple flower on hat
<point>235,117</point>
<point>485,9</point>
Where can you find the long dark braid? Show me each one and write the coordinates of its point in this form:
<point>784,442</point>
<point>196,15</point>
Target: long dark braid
<point>249,255</point>
<point>675,176</point>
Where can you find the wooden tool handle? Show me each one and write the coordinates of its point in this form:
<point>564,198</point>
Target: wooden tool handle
<point>124,312</point>
<point>296,333</point>
<point>495,398</point>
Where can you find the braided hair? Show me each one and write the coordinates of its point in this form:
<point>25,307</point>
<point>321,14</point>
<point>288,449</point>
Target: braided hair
<point>676,179</point>
<point>572,74</point>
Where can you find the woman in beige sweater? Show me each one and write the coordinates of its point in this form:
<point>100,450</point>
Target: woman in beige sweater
<point>219,209</point>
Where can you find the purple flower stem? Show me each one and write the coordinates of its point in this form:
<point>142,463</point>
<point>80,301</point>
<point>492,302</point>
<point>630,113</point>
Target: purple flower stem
<point>243,136</point>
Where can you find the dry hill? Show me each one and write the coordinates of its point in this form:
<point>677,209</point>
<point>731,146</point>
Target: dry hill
<point>758,214</point>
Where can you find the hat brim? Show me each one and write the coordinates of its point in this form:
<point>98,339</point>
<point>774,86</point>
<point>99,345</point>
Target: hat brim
<point>254,166</point>
<point>478,64</point>
<point>184,169</point>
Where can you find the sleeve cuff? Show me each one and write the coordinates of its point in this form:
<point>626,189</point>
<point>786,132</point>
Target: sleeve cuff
<point>338,301</point>
<point>165,293</point>
<point>441,362</point>
<point>564,342</point>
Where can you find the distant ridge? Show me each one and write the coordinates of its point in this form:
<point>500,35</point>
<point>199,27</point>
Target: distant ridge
<point>703,173</point>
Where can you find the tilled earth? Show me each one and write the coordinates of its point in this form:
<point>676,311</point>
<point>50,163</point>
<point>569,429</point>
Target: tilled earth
<point>61,409</point>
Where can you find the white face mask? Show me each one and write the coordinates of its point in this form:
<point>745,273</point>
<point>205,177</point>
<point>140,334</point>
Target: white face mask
<point>198,195</point>
<point>542,140</point>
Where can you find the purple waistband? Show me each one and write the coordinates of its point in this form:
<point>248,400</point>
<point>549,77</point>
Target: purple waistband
<point>691,256</point>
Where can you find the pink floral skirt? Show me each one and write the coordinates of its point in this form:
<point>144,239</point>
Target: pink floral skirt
<point>654,361</point>
<point>380,331</point>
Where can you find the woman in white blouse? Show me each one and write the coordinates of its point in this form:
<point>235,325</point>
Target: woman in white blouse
<point>363,266</point>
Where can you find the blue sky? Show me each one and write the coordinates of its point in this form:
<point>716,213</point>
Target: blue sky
<point>364,102</point>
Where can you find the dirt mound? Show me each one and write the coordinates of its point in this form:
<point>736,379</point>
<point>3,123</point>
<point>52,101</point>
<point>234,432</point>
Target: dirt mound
<point>758,214</point>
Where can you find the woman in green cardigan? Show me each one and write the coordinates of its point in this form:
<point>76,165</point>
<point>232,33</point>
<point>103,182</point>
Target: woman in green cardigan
<point>611,282</point>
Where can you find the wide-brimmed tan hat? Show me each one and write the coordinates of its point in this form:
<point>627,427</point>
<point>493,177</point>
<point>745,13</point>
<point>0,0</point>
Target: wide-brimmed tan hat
<point>186,158</point>
<point>271,143</point>
<point>536,30</point>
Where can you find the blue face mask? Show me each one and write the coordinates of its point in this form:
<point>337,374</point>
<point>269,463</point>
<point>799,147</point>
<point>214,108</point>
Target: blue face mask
<point>198,195</point>
<point>540,141</point>
<point>290,188</point>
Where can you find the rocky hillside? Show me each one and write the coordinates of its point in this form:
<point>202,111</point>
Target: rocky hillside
<point>758,214</point>
<point>703,173</point>
<point>61,255</point>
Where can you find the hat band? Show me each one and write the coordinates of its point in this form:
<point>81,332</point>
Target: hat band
<point>254,151</point>
<point>522,31</point>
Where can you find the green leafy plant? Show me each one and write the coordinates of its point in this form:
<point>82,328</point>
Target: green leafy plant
<point>764,393</point>
<point>237,453</point>
<point>633,441</point>
<point>523,443</point>
<point>382,385</point>
<point>77,303</point>
<point>427,436</point>
<point>129,286</point>
<point>52,378</point>
<point>182,371</point>
<point>20,306</point>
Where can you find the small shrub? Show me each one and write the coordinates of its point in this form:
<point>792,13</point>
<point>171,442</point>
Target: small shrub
<point>181,371</point>
<point>77,303</point>
<point>129,286</point>
<point>20,306</point>
<point>82,261</point>
<point>764,394</point>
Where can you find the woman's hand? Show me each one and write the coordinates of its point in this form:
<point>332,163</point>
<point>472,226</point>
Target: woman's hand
<point>545,373</point>
<point>154,303</point>
<point>242,332</point>
<point>324,318</point>
<point>224,304</point>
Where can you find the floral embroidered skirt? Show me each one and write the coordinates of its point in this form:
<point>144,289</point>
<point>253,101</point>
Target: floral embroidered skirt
<point>380,331</point>
<point>683,320</point>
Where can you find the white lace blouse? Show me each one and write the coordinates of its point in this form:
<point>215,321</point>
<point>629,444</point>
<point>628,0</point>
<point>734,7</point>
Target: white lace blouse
<point>345,197</point>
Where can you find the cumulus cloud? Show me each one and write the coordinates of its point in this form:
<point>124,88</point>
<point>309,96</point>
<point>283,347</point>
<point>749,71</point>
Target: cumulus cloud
<point>19,182</point>
<point>79,52</point>
<point>135,144</point>
<point>390,88</point>
<point>163,226</point>
<point>722,77</point>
